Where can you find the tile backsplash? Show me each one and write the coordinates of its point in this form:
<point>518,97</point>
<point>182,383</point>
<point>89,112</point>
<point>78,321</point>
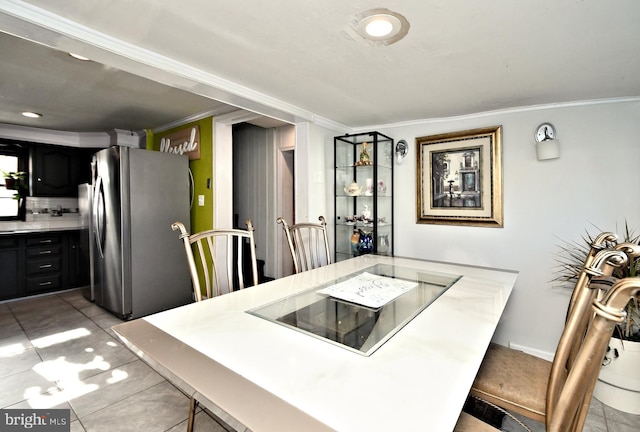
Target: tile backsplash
<point>38,205</point>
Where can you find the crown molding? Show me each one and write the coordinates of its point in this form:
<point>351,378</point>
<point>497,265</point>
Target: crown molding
<point>529,108</point>
<point>70,139</point>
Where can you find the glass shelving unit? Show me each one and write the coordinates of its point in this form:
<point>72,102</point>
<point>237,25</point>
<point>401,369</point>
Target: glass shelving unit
<point>363,195</point>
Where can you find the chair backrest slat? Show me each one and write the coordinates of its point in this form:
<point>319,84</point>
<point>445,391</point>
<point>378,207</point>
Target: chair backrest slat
<point>217,251</point>
<point>308,244</point>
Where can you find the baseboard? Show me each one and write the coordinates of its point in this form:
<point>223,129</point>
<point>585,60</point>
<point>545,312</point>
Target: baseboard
<point>534,352</point>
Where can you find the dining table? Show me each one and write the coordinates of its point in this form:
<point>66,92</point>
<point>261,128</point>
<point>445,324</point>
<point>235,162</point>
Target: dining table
<point>372,343</point>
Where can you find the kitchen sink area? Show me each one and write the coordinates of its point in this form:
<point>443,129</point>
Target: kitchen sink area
<point>46,214</point>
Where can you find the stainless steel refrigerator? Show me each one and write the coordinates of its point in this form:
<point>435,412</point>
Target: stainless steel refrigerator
<point>139,263</point>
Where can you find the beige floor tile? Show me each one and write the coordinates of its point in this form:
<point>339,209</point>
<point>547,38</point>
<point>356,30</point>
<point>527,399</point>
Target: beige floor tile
<point>76,426</point>
<point>22,386</point>
<point>109,387</point>
<point>16,358</point>
<point>203,423</point>
<point>158,408</point>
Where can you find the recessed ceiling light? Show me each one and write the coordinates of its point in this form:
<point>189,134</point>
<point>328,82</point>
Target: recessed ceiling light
<point>31,114</point>
<point>79,57</point>
<point>382,26</point>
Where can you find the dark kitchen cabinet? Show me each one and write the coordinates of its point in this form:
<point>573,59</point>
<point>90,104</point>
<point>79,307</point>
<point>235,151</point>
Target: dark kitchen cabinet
<point>55,171</point>
<point>77,260</point>
<point>11,267</point>
<point>41,262</point>
<point>85,156</point>
<point>46,262</point>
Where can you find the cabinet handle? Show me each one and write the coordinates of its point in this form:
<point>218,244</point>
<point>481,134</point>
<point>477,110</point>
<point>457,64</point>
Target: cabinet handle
<point>45,266</point>
<point>45,252</point>
<point>45,283</point>
<point>45,241</point>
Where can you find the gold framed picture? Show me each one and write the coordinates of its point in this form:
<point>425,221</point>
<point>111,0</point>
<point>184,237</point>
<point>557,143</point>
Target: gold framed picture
<point>459,178</point>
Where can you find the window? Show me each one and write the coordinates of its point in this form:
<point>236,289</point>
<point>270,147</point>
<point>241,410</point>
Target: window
<point>13,159</point>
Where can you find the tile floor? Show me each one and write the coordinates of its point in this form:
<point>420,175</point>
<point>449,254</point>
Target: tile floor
<point>58,351</point>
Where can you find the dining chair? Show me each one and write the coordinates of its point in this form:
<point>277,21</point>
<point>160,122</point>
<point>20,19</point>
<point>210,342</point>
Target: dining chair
<point>220,263</point>
<point>528,385</point>
<point>308,244</point>
<point>217,256</point>
<point>568,400</point>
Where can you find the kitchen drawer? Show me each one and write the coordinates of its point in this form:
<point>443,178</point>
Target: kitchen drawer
<point>43,240</point>
<point>48,265</point>
<point>44,251</point>
<point>44,283</point>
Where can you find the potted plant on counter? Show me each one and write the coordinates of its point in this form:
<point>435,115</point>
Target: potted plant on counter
<point>619,381</point>
<point>15,181</point>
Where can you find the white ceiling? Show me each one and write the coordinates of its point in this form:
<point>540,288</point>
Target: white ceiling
<point>301,61</point>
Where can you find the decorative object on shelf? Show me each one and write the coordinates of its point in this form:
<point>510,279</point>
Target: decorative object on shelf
<point>368,187</point>
<point>364,156</point>
<point>382,187</point>
<point>383,243</point>
<point>353,189</point>
<point>365,242</point>
<point>459,177</point>
<point>366,213</point>
<point>547,146</point>
<point>355,238</point>
<point>402,149</point>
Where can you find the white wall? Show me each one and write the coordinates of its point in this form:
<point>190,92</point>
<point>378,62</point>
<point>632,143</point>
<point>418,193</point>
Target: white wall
<point>595,182</point>
<point>314,174</point>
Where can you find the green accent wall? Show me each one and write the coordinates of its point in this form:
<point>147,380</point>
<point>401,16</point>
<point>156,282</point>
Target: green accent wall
<point>202,170</point>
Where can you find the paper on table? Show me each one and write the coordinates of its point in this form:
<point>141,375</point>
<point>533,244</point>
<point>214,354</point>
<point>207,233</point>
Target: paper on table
<point>369,290</point>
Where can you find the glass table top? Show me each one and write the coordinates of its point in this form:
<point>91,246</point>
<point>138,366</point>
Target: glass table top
<point>362,310</point>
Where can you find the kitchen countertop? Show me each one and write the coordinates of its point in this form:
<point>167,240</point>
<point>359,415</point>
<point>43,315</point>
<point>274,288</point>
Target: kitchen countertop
<point>63,223</point>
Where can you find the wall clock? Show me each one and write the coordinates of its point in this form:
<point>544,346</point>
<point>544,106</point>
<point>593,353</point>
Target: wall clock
<point>545,132</point>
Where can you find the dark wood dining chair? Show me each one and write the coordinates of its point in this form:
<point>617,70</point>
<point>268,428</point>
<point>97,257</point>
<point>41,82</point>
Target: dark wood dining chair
<point>567,400</point>
<point>308,244</point>
<point>528,385</point>
<point>217,257</point>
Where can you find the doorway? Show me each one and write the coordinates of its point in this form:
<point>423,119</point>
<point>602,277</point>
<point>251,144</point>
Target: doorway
<point>263,190</point>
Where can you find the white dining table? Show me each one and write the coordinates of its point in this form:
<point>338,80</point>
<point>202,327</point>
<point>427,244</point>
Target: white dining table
<point>260,375</point>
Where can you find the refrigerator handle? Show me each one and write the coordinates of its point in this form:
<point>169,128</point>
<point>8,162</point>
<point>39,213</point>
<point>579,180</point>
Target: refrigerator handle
<point>98,215</point>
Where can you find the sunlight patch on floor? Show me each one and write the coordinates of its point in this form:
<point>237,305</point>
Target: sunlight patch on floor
<point>57,338</point>
<point>12,350</point>
<point>66,372</point>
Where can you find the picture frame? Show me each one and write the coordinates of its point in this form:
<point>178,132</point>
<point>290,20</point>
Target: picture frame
<point>459,178</point>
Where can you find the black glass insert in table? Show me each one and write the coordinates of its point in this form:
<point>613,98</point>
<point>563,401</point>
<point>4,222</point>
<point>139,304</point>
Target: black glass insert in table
<point>391,297</point>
